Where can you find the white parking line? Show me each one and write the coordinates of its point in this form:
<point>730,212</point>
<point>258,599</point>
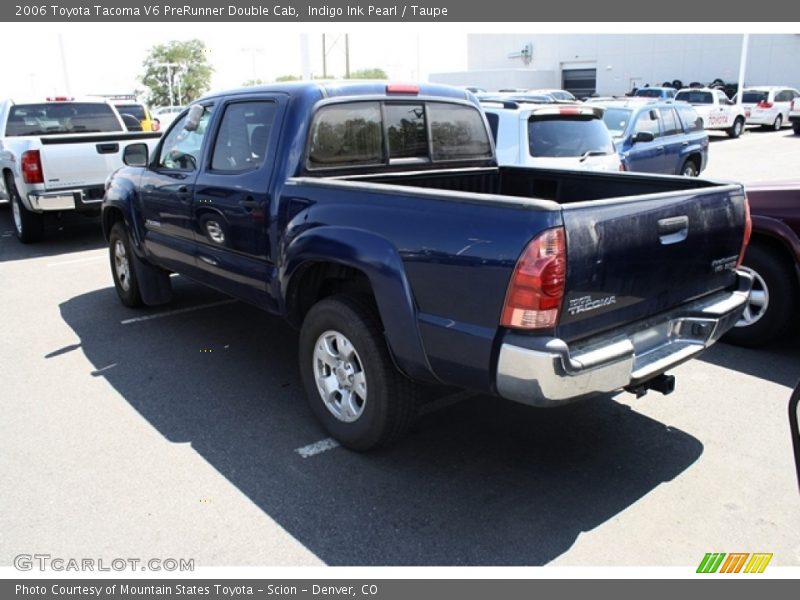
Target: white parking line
<point>176,312</point>
<point>76,261</point>
<point>317,447</point>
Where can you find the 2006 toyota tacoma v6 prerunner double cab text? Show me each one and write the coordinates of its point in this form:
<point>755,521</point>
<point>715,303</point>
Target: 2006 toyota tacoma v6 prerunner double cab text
<point>375,218</point>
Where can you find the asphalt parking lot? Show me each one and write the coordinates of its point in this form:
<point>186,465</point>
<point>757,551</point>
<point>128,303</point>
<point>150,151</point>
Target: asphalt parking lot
<point>176,432</point>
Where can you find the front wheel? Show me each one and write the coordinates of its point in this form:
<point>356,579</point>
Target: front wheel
<point>28,225</point>
<point>689,169</point>
<point>351,383</point>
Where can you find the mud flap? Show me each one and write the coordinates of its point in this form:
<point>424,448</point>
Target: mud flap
<point>154,284</point>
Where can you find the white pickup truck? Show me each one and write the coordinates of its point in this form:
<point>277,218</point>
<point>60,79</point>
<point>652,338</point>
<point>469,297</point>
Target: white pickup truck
<point>55,156</point>
<point>716,110</point>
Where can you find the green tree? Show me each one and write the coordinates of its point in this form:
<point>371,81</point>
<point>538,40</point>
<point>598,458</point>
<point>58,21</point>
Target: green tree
<point>252,82</point>
<point>369,74</point>
<point>287,78</point>
<point>188,80</point>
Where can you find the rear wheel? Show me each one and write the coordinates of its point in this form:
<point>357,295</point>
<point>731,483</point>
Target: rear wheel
<point>796,127</point>
<point>28,225</point>
<point>689,168</point>
<point>736,129</point>
<point>778,123</point>
<point>351,383</point>
<point>773,300</point>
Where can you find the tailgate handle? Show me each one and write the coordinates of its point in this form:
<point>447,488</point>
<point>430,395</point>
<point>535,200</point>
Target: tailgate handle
<point>673,229</point>
<point>107,148</point>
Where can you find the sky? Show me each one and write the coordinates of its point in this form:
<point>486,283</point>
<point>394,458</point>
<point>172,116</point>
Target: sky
<point>106,58</point>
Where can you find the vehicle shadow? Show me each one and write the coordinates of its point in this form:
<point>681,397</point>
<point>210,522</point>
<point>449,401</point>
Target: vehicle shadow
<point>778,362</point>
<point>480,482</point>
<point>74,234</point>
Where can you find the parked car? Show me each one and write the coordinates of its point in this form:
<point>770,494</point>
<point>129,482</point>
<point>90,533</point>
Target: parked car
<point>164,115</point>
<point>55,156</point>
<point>375,218</point>
<point>518,97</point>
<point>558,95</point>
<point>565,136</point>
<point>138,111</point>
<point>657,137</point>
<point>794,116</point>
<point>773,258</point>
<point>768,106</point>
<point>716,110</point>
<point>658,93</point>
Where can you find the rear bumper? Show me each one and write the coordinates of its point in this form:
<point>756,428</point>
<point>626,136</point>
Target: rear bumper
<point>58,200</point>
<point>549,372</point>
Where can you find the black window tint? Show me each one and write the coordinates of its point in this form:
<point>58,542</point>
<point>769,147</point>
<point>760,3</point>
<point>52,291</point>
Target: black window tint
<point>405,127</point>
<point>458,132</point>
<point>691,120</point>
<point>181,149</point>
<point>557,136</point>
<point>695,97</point>
<point>60,118</point>
<point>494,123</point>
<point>783,96</point>
<point>136,110</point>
<point>754,97</point>
<point>669,121</point>
<point>346,134</point>
<point>647,121</point>
<point>243,136</point>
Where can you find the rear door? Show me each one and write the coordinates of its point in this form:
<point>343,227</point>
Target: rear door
<point>672,140</point>
<point>633,258</point>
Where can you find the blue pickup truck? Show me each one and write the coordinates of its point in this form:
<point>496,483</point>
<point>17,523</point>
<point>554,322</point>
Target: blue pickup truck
<point>374,217</point>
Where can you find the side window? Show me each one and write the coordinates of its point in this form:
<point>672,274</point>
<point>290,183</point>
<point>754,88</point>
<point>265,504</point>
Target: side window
<point>691,120</point>
<point>723,99</point>
<point>669,122</point>
<point>457,132</point>
<point>181,149</point>
<point>647,121</point>
<point>783,96</point>
<point>243,136</point>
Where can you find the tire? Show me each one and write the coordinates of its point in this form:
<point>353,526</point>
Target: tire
<point>796,127</point>
<point>773,301</point>
<point>689,168</point>
<point>736,129</point>
<point>28,225</point>
<point>776,126</point>
<point>122,269</point>
<point>351,383</point>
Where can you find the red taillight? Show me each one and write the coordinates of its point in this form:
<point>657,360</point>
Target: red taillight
<point>156,125</point>
<point>764,104</point>
<point>571,110</point>
<point>32,167</point>
<point>397,88</point>
<point>60,99</point>
<point>533,298</point>
<point>748,230</point>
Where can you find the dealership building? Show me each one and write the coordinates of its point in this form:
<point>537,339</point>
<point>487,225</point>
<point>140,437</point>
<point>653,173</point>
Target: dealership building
<point>613,64</point>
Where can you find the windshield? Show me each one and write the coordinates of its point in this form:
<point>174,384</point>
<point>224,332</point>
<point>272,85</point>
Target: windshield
<point>557,136</point>
<point>61,117</point>
<point>617,119</point>
<point>650,93</point>
<point>693,97</point>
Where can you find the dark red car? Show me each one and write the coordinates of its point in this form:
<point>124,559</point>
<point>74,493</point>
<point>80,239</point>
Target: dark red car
<point>774,258</point>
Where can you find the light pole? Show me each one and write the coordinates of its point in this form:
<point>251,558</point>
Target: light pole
<point>253,52</point>
<point>169,66</point>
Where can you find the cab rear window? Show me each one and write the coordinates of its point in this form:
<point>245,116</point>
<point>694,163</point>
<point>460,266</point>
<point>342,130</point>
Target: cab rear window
<point>557,136</point>
<point>366,133</point>
<point>61,118</point>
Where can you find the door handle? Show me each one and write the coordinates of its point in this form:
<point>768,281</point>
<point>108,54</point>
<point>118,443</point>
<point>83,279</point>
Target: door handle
<point>673,229</point>
<point>207,260</point>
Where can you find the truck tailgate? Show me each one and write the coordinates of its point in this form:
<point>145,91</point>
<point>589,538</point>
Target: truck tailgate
<point>82,160</point>
<point>632,258</point>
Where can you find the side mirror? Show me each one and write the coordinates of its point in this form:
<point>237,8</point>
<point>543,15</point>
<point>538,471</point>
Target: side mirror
<point>135,155</point>
<point>643,136</point>
<point>193,117</point>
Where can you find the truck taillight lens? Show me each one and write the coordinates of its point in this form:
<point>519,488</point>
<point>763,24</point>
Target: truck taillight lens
<point>764,104</point>
<point>32,167</point>
<point>748,230</point>
<point>533,298</point>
